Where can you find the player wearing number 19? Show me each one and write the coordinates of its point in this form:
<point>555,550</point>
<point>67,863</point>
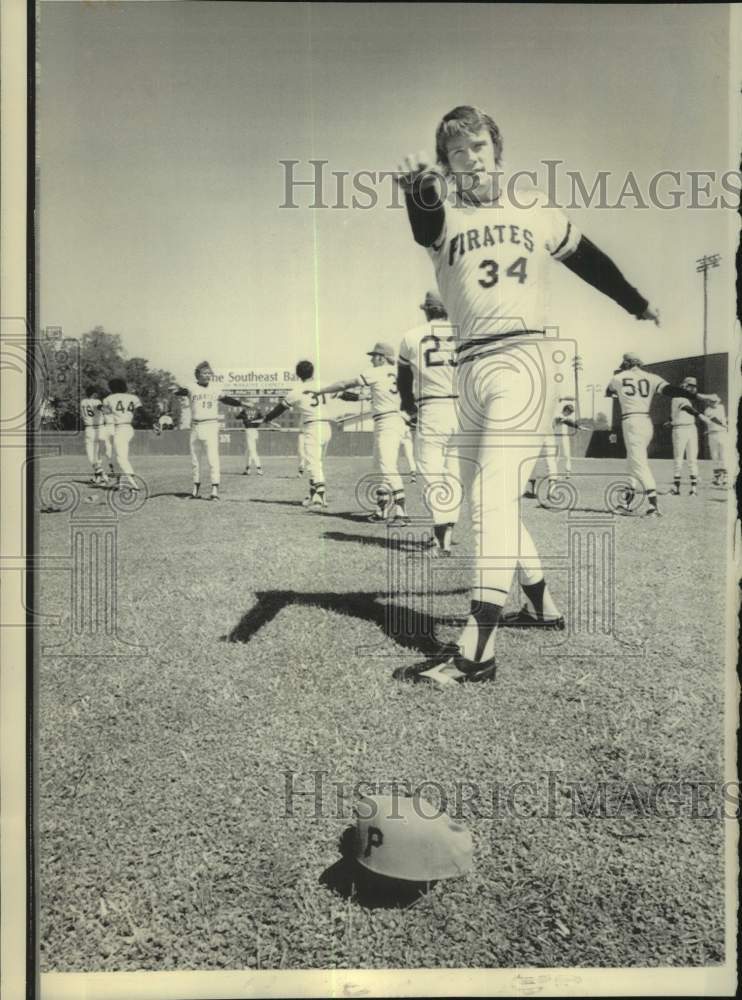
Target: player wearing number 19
<point>635,388</point>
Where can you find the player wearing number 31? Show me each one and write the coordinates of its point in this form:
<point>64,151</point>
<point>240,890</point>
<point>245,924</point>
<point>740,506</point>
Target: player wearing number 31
<point>635,388</point>
<point>491,248</point>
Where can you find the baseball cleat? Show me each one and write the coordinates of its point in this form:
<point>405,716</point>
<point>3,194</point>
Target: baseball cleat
<point>378,517</point>
<point>524,619</point>
<point>675,491</point>
<point>458,670</point>
<point>300,472</point>
<point>438,553</point>
<point>259,471</point>
<point>653,512</point>
<point>246,472</point>
<point>692,492</point>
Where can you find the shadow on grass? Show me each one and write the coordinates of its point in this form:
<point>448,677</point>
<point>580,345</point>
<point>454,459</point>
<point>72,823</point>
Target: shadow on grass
<point>282,503</point>
<point>408,627</point>
<point>354,882</point>
<point>382,541</point>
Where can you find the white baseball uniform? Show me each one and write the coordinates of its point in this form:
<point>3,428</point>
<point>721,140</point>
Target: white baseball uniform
<point>429,350</point>
<point>635,389</point>
<point>250,414</point>
<point>105,434</point>
<point>91,410</point>
<point>490,266</point>
<point>316,425</point>
<point>717,435</point>
<point>204,407</point>
<point>121,406</point>
<point>389,426</point>
<point>684,436</point>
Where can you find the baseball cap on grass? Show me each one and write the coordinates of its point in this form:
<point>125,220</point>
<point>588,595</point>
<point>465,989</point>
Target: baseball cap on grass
<point>406,837</point>
<point>384,349</point>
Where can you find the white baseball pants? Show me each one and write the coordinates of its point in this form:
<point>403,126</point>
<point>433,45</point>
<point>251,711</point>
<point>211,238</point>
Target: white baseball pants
<point>718,448</point>
<point>637,435</point>
<point>251,446</point>
<point>436,451</point>
<point>92,446</point>
<point>685,445</point>
<point>389,429</point>
<point>317,436</point>
<point>505,407</point>
<point>205,438</point>
<point>122,435</point>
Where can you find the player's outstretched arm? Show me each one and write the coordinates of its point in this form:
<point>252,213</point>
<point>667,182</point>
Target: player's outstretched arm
<point>335,387</point>
<point>230,400</point>
<point>277,410</point>
<point>423,187</point>
<point>597,269</point>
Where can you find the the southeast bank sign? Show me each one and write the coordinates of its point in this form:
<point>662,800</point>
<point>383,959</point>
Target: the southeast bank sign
<point>254,381</point>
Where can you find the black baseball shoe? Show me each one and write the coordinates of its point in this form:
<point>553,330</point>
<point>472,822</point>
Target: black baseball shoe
<point>524,619</point>
<point>457,670</point>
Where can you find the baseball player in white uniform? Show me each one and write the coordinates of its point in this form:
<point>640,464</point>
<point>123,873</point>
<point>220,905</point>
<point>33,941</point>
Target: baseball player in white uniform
<point>389,429</point>
<point>425,381</point>
<point>105,435</point>
<point>313,406</point>
<point>121,405</point>
<point>408,450</point>
<point>91,411</point>
<point>684,438</point>
<point>204,399</point>
<point>490,268</point>
<point>251,418</point>
<point>635,388</point>
<point>556,447</point>
<point>715,420</point>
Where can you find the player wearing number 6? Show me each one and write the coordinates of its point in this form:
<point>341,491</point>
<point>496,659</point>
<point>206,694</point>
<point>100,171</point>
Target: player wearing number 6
<point>425,381</point>
<point>635,388</point>
<point>389,428</point>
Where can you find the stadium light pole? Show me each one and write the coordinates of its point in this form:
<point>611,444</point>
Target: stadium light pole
<point>703,265</point>
<point>577,363</point>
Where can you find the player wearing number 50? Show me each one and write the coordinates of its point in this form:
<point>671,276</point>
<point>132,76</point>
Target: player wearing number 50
<point>204,399</point>
<point>635,388</point>
<point>425,381</point>
<point>121,405</point>
<point>491,247</point>
<point>389,428</point>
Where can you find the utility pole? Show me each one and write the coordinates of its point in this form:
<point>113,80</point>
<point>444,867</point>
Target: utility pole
<point>578,368</point>
<point>703,265</point>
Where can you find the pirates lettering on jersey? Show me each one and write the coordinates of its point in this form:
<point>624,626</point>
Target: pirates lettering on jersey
<point>489,236</point>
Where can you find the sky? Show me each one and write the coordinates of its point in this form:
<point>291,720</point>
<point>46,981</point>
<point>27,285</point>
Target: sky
<point>162,127</point>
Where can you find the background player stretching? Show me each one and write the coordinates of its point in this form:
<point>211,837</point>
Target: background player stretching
<point>91,411</point>
<point>684,438</point>
<point>204,399</point>
<point>251,418</point>
<point>425,381</point>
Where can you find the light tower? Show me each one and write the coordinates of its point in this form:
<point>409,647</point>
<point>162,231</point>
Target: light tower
<point>703,265</point>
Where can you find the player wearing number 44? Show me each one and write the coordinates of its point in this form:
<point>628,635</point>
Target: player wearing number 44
<point>204,399</point>
<point>121,405</point>
<point>490,251</point>
<point>389,429</point>
<point>635,388</point>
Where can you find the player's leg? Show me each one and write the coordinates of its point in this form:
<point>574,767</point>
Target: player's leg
<point>389,435</point>
<point>247,452</point>
<point>718,448</point>
<point>123,433</point>
<point>195,448</point>
<point>408,447</point>
<point>678,451</point>
<point>91,451</point>
<point>565,445</point>
<point>316,438</point>
<point>300,452</point>
<point>638,438</point>
<point>495,466</point>
<point>550,453</point>
<point>256,455</point>
<point>211,443</point>
<point>692,456</point>
<point>439,467</point>
<point>108,447</point>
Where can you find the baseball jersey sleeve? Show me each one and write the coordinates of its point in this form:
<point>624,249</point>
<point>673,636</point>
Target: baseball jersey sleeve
<point>560,235</point>
<point>406,354</point>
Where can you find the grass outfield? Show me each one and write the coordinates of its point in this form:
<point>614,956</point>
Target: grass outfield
<point>268,647</point>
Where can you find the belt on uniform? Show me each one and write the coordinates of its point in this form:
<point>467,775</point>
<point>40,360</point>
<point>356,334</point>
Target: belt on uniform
<point>386,413</point>
<point>321,420</point>
<point>426,399</point>
<point>491,343</point>
<point>627,415</point>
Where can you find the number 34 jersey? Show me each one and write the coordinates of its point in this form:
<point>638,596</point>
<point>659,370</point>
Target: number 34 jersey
<point>490,263</point>
<point>429,350</point>
<point>635,390</point>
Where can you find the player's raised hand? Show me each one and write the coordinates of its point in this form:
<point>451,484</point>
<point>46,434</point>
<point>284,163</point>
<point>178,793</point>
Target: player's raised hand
<point>413,166</point>
<point>651,313</point>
